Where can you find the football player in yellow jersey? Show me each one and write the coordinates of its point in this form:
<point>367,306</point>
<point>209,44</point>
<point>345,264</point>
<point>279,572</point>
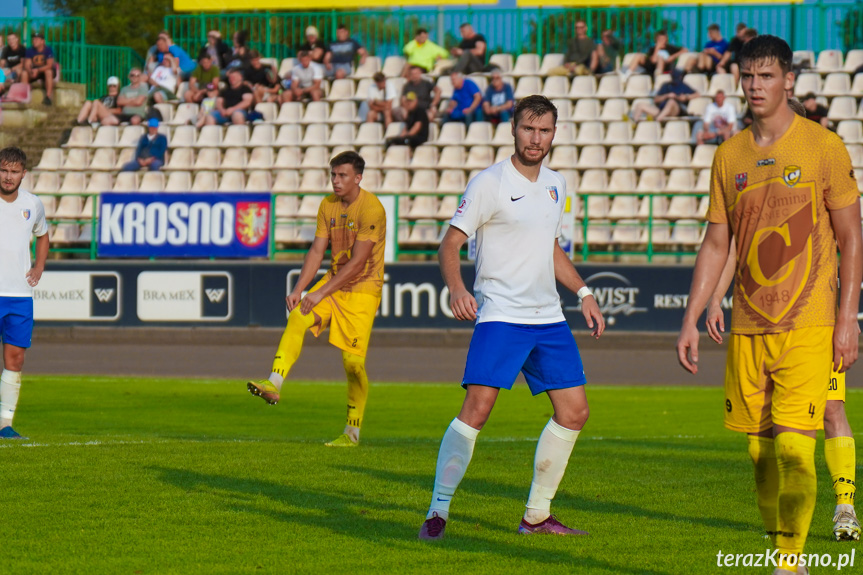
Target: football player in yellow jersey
<point>785,191</point>
<point>352,222</point>
<point>839,445</point>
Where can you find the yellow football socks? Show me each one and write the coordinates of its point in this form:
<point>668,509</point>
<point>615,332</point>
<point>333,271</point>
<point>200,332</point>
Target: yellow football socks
<point>358,387</point>
<point>291,343</point>
<point>763,454</point>
<point>841,461</point>
<point>795,458</point>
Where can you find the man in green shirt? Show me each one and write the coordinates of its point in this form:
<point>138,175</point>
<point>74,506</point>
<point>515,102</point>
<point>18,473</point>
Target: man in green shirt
<point>581,57</point>
<point>423,52</point>
<point>206,73</point>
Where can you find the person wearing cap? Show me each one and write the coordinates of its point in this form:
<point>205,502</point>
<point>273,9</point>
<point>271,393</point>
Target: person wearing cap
<point>103,110</point>
<point>208,104</point>
<point>204,74</point>
<point>39,66</point>
<point>235,101</point>
<point>263,80</point>
<point>340,58</point>
<point>219,51</point>
<point>150,153</point>
<point>306,78</point>
<point>314,45</point>
<point>12,57</point>
<point>416,130</point>
<point>422,52</point>
<point>669,102</point>
<point>379,105</point>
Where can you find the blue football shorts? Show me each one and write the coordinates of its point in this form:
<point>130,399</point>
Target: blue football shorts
<point>16,320</point>
<point>546,354</point>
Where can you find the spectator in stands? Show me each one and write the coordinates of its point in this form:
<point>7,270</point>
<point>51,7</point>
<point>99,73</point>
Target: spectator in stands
<point>316,47</point>
<point>163,80</point>
<point>714,50</point>
<point>669,102</point>
<point>264,80</point>
<point>150,153</point>
<point>470,53</point>
<point>422,52</point>
<point>133,100</point>
<point>416,130</point>
<point>12,57</point>
<point>240,52</point>
<point>379,105</point>
<point>103,110</point>
<point>339,61</point>
<point>219,51</point>
<point>2,82</point>
<point>204,74</point>
<point>428,94</point>
<point>608,51</point>
<point>306,78</point>
<point>815,111</point>
<point>39,66</point>
<point>728,62</point>
<point>498,103</point>
<point>659,58</point>
<point>185,63</point>
<point>235,102</point>
<point>208,104</point>
<point>466,99</point>
<point>719,121</point>
<point>581,57</point>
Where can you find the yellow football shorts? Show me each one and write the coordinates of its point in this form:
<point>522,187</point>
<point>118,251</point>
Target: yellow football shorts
<point>349,316</point>
<point>778,379</point>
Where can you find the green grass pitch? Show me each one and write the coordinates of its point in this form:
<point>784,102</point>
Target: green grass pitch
<point>177,476</point>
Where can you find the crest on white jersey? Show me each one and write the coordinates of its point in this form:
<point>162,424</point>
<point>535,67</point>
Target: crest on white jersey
<point>552,193</point>
<point>25,214</point>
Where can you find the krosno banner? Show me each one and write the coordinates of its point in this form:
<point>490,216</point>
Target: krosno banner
<point>184,225</point>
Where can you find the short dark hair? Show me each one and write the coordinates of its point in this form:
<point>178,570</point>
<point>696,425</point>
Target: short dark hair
<point>741,26</point>
<point>302,53</point>
<point>660,33</point>
<point>13,155</point>
<point>420,68</point>
<point>808,96</point>
<point>713,27</point>
<point>768,49</point>
<point>463,25</point>
<point>349,157</point>
<point>750,33</point>
<point>421,31</point>
<point>534,106</point>
<point>379,77</point>
<point>341,27</point>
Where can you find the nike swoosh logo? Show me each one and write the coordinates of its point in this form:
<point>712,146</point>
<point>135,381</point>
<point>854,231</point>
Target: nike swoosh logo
<point>515,199</point>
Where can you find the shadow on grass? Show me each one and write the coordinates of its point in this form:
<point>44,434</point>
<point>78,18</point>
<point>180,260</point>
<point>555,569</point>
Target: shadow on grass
<point>494,488</point>
<point>346,515</point>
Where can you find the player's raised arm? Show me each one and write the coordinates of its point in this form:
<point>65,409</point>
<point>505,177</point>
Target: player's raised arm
<point>568,276</point>
<point>461,301</point>
<point>708,267</point>
<point>715,317</point>
<point>846,226</point>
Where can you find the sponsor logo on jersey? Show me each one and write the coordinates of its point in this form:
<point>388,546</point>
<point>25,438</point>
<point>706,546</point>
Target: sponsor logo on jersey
<point>25,214</point>
<point>791,175</point>
<point>462,207</point>
<point>767,162</point>
<point>740,181</point>
<point>552,193</point>
<point>253,222</point>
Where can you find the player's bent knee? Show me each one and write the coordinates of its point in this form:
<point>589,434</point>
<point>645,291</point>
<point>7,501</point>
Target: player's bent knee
<point>573,418</point>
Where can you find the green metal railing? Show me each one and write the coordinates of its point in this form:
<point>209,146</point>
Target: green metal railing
<point>65,36</point>
<point>106,61</point>
<point>89,248</point>
<point>808,26</point>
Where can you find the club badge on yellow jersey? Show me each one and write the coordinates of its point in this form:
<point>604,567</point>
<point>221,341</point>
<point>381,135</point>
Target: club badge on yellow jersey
<point>791,175</point>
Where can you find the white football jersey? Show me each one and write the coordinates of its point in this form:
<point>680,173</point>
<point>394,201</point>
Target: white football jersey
<point>19,222</point>
<point>517,223</point>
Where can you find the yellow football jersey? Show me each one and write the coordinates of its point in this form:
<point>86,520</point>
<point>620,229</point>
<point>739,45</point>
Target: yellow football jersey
<point>776,200</point>
<point>343,224</point>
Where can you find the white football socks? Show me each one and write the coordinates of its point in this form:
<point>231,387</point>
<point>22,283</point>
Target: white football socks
<point>552,454</point>
<point>10,387</point>
<point>456,449</point>
<point>276,380</point>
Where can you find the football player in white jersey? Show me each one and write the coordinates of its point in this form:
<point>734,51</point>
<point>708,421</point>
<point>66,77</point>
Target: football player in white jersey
<point>21,217</point>
<point>516,207</point>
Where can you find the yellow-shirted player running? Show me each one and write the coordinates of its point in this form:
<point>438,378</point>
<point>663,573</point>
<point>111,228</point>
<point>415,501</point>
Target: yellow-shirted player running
<point>785,191</point>
<point>353,222</point>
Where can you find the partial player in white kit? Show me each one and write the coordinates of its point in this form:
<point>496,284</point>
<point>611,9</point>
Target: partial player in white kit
<point>21,217</point>
<point>516,209</point>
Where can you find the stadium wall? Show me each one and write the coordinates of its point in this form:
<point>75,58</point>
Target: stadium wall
<point>251,294</point>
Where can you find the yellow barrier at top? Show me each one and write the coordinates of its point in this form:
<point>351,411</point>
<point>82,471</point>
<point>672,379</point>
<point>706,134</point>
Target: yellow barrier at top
<point>246,5</point>
<point>607,3</point>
